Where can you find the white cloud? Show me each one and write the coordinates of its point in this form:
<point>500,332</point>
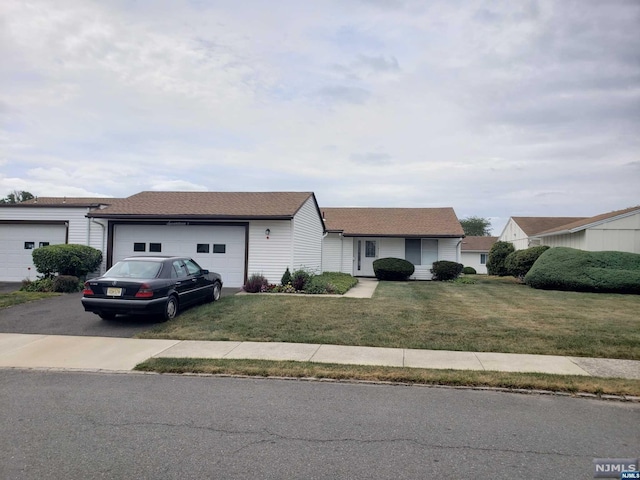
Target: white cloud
<point>494,109</point>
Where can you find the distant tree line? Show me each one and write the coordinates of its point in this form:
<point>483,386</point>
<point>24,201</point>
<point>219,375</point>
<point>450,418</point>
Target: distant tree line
<point>17,196</point>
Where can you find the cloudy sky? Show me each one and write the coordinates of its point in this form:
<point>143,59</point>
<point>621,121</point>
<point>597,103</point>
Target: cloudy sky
<point>493,108</point>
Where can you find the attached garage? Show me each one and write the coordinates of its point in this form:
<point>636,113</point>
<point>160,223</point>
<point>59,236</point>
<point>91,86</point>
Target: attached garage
<point>220,248</point>
<point>17,242</point>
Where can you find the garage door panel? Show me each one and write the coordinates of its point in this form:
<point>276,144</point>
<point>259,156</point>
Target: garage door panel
<point>183,240</point>
<point>16,252</point>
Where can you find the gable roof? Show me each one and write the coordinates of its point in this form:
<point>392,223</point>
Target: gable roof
<point>478,244</point>
<point>393,222</point>
<point>584,223</point>
<point>533,225</point>
<point>65,202</point>
<point>207,205</point>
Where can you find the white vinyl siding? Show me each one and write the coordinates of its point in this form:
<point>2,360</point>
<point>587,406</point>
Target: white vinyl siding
<point>270,256</point>
<point>514,234</point>
<point>474,260</point>
<point>575,240</point>
<point>307,238</point>
<point>332,247</point>
<point>391,247</point>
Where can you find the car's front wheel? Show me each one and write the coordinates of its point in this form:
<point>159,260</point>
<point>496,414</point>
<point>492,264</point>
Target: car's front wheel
<point>215,296</point>
<point>171,308</point>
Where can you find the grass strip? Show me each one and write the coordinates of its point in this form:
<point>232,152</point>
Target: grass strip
<point>470,378</point>
<point>16,298</point>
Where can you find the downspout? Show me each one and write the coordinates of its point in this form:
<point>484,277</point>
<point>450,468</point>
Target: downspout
<point>324,235</point>
<point>458,251</point>
<point>104,231</point>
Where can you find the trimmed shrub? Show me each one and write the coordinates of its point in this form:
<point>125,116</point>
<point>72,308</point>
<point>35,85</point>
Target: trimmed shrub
<point>66,259</point>
<point>286,278</point>
<point>256,283</point>
<point>393,268</point>
<point>445,270</point>
<point>497,256</point>
<point>67,284</point>
<point>520,262</point>
<point>563,268</point>
<point>469,271</point>
<point>300,279</point>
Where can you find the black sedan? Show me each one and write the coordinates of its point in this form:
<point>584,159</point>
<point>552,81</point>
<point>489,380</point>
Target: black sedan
<point>150,285</point>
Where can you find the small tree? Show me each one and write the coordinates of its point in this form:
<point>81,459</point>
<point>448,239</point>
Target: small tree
<point>476,226</point>
<point>497,256</point>
<point>66,259</point>
<point>520,262</point>
<point>286,278</point>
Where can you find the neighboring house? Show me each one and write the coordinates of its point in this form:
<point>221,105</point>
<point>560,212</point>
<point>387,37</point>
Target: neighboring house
<point>521,231</point>
<point>475,252</point>
<point>358,236</point>
<point>233,233</point>
<point>618,231</point>
<point>44,221</point>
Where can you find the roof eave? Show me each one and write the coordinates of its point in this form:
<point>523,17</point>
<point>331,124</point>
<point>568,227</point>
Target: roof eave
<point>404,235</point>
<point>187,217</point>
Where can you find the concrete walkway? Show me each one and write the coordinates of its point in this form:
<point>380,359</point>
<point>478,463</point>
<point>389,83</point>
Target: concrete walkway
<point>123,354</point>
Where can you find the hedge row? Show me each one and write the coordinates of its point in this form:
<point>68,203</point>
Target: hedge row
<point>563,268</point>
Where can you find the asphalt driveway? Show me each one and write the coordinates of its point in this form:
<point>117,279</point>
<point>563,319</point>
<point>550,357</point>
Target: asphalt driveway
<point>64,315</point>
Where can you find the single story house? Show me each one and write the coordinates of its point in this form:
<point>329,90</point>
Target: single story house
<point>521,231</point>
<point>618,231</point>
<point>475,252</point>
<point>355,237</point>
<point>234,233</point>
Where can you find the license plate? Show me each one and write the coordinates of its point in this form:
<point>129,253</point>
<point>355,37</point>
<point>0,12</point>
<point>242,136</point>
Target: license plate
<point>114,292</point>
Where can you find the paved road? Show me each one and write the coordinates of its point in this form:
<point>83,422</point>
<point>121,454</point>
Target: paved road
<point>82,425</point>
<point>64,315</point>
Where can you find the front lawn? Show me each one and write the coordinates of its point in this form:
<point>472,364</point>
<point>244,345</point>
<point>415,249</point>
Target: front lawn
<point>494,314</point>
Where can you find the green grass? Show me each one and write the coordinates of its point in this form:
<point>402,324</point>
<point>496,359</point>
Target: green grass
<point>527,381</point>
<point>16,298</point>
<point>492,315</point>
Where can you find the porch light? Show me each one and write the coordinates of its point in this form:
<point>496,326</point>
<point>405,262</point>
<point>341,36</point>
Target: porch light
<point>267,232</point>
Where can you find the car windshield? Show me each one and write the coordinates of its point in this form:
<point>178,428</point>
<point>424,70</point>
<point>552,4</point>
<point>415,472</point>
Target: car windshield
<point>134,269</point>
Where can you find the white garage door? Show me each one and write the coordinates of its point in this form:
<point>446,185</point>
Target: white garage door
<point>219,248</point>
<point>17,243</point>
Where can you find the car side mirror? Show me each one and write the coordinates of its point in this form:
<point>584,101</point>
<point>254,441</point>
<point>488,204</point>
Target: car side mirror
<point>205,272</point>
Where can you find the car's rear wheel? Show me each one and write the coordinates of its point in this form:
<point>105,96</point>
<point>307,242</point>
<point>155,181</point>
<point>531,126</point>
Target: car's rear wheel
<point>107,315</point>
<point>171,308</point>
<point>215,296</point>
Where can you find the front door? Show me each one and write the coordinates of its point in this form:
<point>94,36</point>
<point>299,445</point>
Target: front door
<point>366,250</point>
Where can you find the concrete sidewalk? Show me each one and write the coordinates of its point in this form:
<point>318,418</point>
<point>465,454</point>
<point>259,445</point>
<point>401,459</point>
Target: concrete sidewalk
<point>123,354</point>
